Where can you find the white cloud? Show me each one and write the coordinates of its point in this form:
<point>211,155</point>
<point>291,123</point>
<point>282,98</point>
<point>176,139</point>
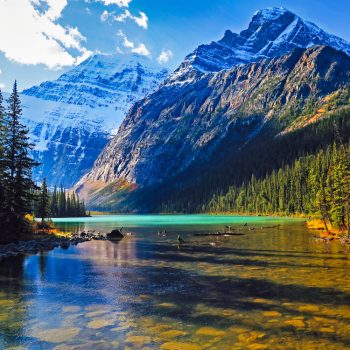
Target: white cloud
<point>104,16</point>
<point>86,54</point>
<point>55,8</point>
<point>165,56</point>
<point>2,86</point>
<point>141,20</point>
<point>119,3</point>
<point>140,49</point>
<point>126,42</point>
<point>32,35</point>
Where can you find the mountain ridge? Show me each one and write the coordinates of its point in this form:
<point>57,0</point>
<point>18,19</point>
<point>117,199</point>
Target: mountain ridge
<point>72,118</point>
<point>163,134</point>
<point>271,33</point>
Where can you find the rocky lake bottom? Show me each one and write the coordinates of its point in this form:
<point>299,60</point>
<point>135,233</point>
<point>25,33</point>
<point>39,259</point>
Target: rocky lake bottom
<point>274,287</point>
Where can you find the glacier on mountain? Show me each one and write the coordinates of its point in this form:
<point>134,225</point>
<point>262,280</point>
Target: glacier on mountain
<point>72,118</point>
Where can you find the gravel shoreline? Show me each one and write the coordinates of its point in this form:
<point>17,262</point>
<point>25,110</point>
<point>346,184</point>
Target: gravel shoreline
<point>48,243</point>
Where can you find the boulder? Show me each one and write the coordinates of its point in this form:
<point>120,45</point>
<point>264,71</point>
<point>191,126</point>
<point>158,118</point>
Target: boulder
<point>115,235</point>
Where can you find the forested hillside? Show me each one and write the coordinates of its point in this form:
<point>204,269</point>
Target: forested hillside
<point>317,185</point>
<point>279,176</point>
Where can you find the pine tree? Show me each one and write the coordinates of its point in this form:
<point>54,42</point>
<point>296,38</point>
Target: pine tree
<point>2,155</point>
<point>19,164</point>
<point>323,206</point>
<point>54,203</point>
<point>44,208</point>
<point>338,195</point>
<point>62,203</point>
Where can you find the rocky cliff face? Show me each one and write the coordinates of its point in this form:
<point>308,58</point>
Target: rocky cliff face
<point>72,119</point>
<point>222,95</point>
<point>271,33</point>
<point>170,130</point>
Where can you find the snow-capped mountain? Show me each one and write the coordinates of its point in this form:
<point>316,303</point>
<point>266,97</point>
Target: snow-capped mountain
<point>72,118</point>
<point>221,98</point>
<point>271,33</point>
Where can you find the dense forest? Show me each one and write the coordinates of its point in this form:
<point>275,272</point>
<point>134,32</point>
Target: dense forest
<point>209,186</point>
<point>57,203</point>
<point>313,185</point>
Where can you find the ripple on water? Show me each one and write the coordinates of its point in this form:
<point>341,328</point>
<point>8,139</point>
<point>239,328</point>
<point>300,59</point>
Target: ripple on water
<point>57,335</point>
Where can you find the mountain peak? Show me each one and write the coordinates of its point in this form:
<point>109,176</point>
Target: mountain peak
<point>72,118</point>
<point>189,125</point>
<point>272,32</point>
<point>272,13</point>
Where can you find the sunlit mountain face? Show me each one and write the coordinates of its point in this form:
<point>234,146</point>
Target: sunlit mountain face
<point>224,97</point>
<point>72,118</point>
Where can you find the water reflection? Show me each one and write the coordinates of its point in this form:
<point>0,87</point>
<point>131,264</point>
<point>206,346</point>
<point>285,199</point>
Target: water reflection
<point>268,289</point>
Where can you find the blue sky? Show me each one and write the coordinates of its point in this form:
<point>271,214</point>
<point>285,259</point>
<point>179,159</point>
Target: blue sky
<point>40,39</point>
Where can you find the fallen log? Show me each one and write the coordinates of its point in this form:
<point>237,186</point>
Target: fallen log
<point>217,234</point>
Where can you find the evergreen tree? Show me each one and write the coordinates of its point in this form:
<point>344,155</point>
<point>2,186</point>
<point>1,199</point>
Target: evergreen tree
<point>2,155</point>
<point>54,203</point>
<point>340,208</point>
<point>44,203</point>
<point>317,185</point>
<point>19,164</point>
<point>60,204</point>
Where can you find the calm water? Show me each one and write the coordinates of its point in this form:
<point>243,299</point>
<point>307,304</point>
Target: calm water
<point>272,288</point>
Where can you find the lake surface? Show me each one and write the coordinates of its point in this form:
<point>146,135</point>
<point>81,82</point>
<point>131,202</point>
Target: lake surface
<point>271,288</point>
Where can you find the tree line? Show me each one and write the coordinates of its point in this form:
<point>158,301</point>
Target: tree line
<point>19,195</point>
<point>58,203</point>
<point>317,185</point>
<point>192,190</point>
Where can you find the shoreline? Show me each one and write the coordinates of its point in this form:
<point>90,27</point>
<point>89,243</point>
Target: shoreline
<point>49,241</point>
<point>327,234</point>
<point>46,243</point>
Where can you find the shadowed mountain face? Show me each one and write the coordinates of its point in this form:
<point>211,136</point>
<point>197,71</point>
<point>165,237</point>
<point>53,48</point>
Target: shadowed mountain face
<point>72,118</point>
<point>171,130</point>
<point>214,101</point>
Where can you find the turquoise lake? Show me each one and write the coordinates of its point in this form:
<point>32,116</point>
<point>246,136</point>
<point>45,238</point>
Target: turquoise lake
<point>274,287</point>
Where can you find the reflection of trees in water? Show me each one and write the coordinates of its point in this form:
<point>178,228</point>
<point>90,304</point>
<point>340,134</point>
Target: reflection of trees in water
<point>42,265</point>
<point>13,304</point>
<point>71,226</point>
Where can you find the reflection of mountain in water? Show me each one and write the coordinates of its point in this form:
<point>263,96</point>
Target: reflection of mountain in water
<point>109,253</point>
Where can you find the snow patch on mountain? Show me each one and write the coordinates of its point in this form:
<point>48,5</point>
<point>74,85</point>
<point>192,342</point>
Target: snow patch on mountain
<point>272,32</point>
<point>72,118</point>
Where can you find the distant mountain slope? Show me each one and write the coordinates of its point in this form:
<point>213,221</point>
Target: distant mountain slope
<point>164,134</point>
<point>221,98</point>
<point>271,33</point>
<point>72,118</point>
